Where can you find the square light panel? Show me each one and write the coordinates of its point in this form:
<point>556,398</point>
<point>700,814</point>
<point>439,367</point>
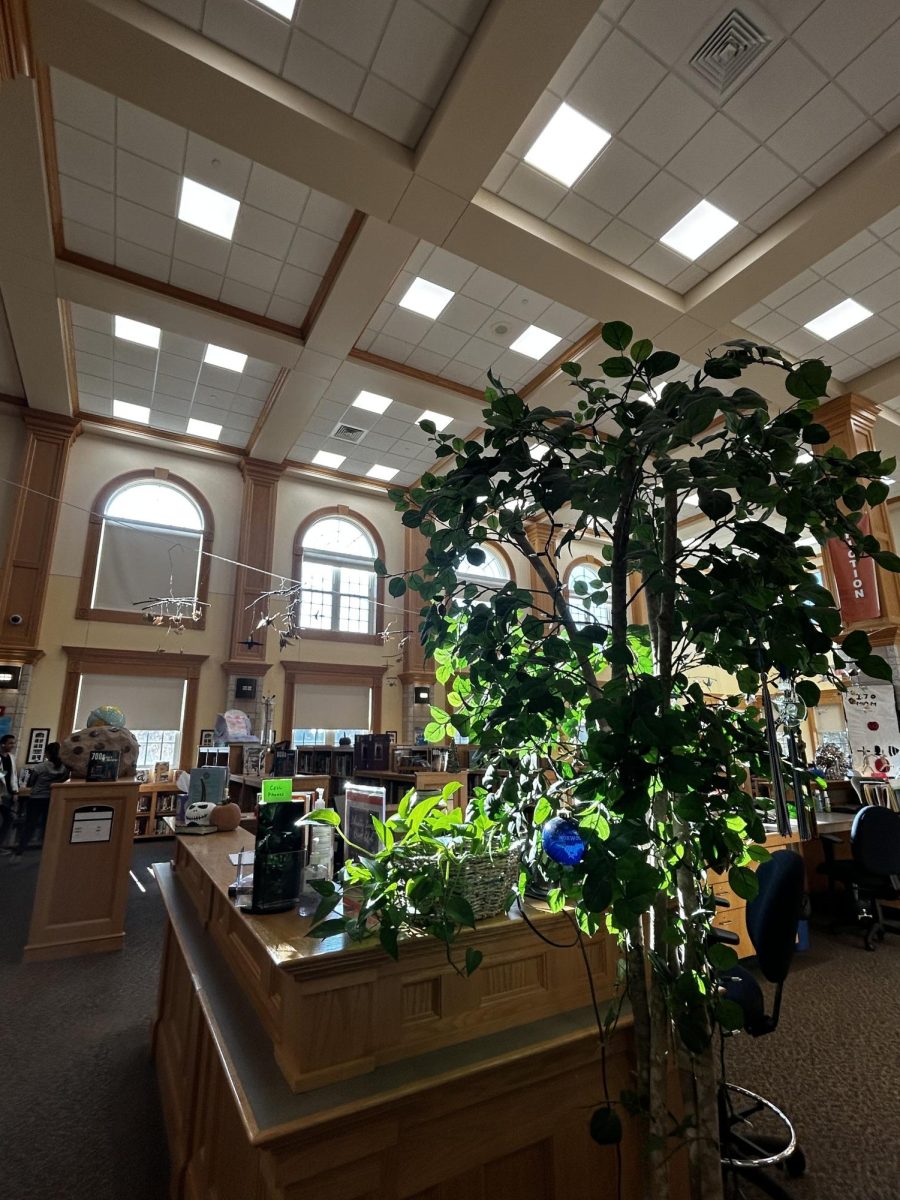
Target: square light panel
<point>537,452</point>
<point>384,473</point>
<point>535,342</point>
<point>440,421</point>
<point>138,413</point>
<point>204,429</point>
<point>567,146</point>
<point>231,360</point>
<point>207,209</point>
<point>323,458</point>
<point>372,402</point>
<point>284,8</point>
<point>427,299</point>
<point>137,331</point>
<point>838,320</point>
<point>701,228</point>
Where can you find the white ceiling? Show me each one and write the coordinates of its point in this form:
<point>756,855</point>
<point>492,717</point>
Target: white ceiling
<point>417,114</point>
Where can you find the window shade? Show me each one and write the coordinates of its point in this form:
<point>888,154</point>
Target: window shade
<point>148,703</point>
<point>136,563</point>
<point>332,706</point>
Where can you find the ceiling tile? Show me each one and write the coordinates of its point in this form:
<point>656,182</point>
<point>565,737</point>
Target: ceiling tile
<point>420,49</point>
<point>587,45</point>
<point>513,366</point>
<point>84,106</point>
<point>447,269</point>
<point>461,373</point>
<point>478,353</point>
<point>427,360</point>
<point>324,215</point>
<point>465,314</point>
<point>195,279</point>
<point>812,302</point>
<point>817,128</point>
<point>792,288</point>
<point>756,181</point>
<point>578,217</point>
<point>464,14</point>
<point>144,227</point>
<point>847,368</point>
<point>84,157</point>
<point>323,72</point>
<point>500,172</point>
<point>215,166</point>
<point>391,111</point>
<point>311,251</point>
<point>352,28</point>
<point>867,267</point>
<point>844,153</point>
<point>529,189</point>
<point>136,376</point>
<point>185,347</point>
<point>179,389</point>
<point>687,279</point>
<point>789,13</point>
<point>881,352</point>
<point>253,389</point>
<point>801,343</point>
<point>243,295</point>
<point>780,205</point>
<point>92,242</point>
<point>174,405</point>
<point>663,202</point>
<point>296,284</point>
<point>287,311</point>
<point>149,136</point>
<point>142,261</point>
<point>487,287</point>
<point>673,26</point>
<point>189,12</point>
<point>94,385</point>
<point>408,326</point>
<point>711,154</point>
<point>844,253</point>
<point>772,327</point>
<point>863,335</point>
<point>392,348</point>
<point>275,193</point>
<point>92,341</point>
<point>726,248</point>
<point>263,232</point>
<point>659,263</point>
<point>881,295</point>
<point>248,30</point>
<point>782,85</point>
<point>176,366</point>
<point>889,116</point>
<point>526,305</point>
<point>502,329</point>
<point>443,340</point>
<point>622,242</point>
<point>90,318</point>
<point>88,205</point>
<point>133,355</point>
<point>872,78</point>
<point>561,320</point>
<point>94,364</point>
<point>146,183</point>
<point>201,249</point>
<point>837,32</point>
<point>665,121</point>
<point>616,82</point>
<point>616,177</point>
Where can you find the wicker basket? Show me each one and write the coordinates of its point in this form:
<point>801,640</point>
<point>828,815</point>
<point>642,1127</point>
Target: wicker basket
<point>487,880</point>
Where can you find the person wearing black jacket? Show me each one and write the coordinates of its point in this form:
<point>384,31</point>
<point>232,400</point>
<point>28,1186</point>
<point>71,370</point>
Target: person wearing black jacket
<point>9,787</point>
<point>37,806</point>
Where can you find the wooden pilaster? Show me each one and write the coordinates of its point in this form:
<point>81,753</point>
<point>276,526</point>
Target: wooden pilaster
<point>255,551</point>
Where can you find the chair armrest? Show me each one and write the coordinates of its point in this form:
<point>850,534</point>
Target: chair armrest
<point>724,936</point>
<point>722,902</point>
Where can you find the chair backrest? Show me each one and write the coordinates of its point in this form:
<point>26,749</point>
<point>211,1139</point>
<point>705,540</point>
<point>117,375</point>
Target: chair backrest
<point>774,914</point>
<point>875,839</point>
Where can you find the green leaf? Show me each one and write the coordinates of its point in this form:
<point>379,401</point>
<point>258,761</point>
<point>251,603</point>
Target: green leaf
<point>542,810</point>
<point>809,692</point>
<point>743,882</point>
<point>617,334</point>
<point>721,956</point>
<point>321,816</point>
<point>571,368</point>
<point>887,560</point>
<point>856,644</point>
<point>387,935</point>
<point>459,909</point>
<point>748,681</point>
<point>877,492</point>
<point>397,586</point>
<point>715,504</point>
<point>597,893</point>
<point>476,556</point>
<point>428,426</point>
<point>328,928</point>
<point>606,1126</point>
<point>876,667</point>
<point>808,381</point>
<point>641,350</point>
<point>617,368</point>
<point>379,567</point>
<point>433,732</point>
<point>729,1014</point>
<point>660,363</point>
<point>473,959</point>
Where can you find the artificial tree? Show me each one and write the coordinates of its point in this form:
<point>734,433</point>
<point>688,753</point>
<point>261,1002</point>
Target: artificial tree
<point>596,725</point>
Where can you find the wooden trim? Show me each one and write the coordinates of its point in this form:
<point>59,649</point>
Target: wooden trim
<point>259,501</point>
<point>25,656</point>
<point>51,161</point>
<point>68,341</point>
<point>83,660</point>
<point>568,355</point>
<point>176,293</point>
<point>341,510</point>
<point>238,666</point>
<point>448,385</point>
<point>84,611</point>
<point>329,635</point>
<point>329,474</point>
<point>337,261</point>
<point>323,673</point>
<point>16,401</point>
<point>165,435</point>
<point>16,56</point>
<point>274,392</point>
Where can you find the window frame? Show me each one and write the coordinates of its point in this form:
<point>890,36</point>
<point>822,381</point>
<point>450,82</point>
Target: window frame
<point>376,594</point>
<point>85,609</point>
<point>586,560</point>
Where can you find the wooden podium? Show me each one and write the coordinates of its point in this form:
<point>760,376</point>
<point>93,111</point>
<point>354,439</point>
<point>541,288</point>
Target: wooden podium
<point>79,906</point>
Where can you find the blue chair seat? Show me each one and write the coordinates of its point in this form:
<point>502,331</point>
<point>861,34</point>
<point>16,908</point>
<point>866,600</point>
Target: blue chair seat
<point>742,987</point>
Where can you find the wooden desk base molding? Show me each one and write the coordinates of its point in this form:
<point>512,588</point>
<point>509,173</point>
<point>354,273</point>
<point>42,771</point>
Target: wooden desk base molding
<point>502,1117</point>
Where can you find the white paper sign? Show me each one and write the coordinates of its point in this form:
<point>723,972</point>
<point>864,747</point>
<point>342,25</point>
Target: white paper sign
<point>92,824</point>
<point>871,714</point>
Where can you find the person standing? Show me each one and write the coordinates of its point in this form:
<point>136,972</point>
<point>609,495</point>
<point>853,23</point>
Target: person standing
<point>9,787</point>
<point>37,805</point>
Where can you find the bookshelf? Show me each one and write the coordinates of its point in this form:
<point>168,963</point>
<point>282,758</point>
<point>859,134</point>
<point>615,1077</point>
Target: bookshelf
<point>155,801</point>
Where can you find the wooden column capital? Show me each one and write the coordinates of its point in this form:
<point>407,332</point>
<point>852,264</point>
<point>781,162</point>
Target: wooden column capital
<point>257,470</point>
<point>850,415</point>
<point>49,426</point>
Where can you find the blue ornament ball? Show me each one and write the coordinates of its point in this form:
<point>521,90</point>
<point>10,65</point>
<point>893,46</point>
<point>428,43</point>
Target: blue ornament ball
<point>563,841</point>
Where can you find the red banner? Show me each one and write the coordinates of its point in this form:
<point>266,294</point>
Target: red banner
<point>856,579</point>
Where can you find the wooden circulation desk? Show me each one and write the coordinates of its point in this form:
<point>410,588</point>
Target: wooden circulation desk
<point>290,1067</point>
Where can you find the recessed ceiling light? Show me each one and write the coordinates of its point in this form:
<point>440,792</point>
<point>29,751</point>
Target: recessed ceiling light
<point>428,299</point>
<point>372,402</point>
<point>207,209</point>
<point>131,412</point>
<point>323,458</point>
<point>567,146</point>
<point>231,360</point>
<point>701,228</point>
<point>535,342</point>
<point>137,331</point>
<point>205,429</point>
<point>385,473</point>
<point>537,452</point>
<point>692,499</point>
<point>838,319</point>
<point>284,8</point>
<point>440,421</point>
<point>804,457</point>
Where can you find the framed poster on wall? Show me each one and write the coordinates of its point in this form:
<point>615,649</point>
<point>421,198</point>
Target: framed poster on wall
<point>38,740</point>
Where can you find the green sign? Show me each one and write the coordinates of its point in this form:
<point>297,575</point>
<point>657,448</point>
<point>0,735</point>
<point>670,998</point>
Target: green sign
<point>276,790</point>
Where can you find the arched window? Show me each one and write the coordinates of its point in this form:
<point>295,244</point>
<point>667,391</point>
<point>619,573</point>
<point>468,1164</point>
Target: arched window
<point>149,537</point>
<point>585,614</point>
<point>492,571</point>
<point>337,557</point>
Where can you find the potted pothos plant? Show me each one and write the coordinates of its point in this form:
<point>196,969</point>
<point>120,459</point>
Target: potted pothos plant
<point>604,751</point>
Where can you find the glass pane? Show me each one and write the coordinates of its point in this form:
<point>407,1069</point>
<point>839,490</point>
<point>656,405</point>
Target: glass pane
<point>155,504</point>
<point>355,583</point>
<point>156,745</point>
<point>339,536</point>
<point>315,598</point>
<point>355,614</point>
<point>492,570</point>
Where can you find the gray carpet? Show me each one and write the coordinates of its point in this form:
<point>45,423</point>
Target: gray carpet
<point>80,1114</point>
<point>79,1110</point>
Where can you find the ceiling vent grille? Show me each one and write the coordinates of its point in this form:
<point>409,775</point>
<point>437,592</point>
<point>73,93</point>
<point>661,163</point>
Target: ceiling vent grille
<point>348,433</point>
<point>728,51</point>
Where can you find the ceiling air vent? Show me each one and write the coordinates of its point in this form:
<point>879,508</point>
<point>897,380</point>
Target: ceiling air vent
<point>348,433</point>
<point>729,50</point>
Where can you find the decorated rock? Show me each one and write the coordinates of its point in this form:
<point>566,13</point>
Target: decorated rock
<point>75,751</point>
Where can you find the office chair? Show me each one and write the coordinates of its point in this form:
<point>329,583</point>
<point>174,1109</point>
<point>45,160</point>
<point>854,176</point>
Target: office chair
<point>772,920</point>
<point>872,875</point>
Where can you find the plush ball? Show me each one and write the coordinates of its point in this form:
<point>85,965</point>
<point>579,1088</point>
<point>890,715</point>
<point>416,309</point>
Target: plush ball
<point>225,817</point>
<point>75,751</point>
<point>563,841</point>
<point>106,714</point>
